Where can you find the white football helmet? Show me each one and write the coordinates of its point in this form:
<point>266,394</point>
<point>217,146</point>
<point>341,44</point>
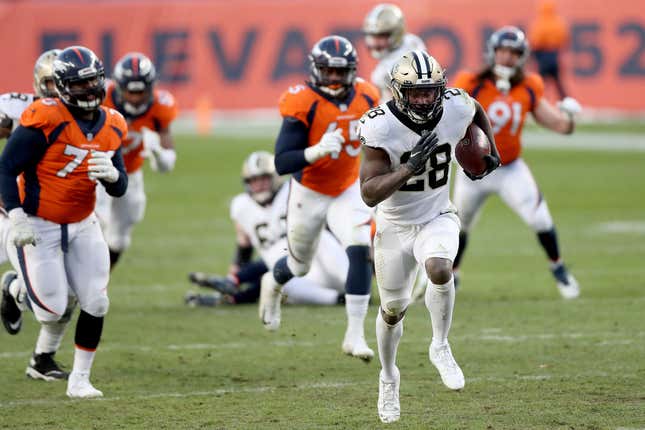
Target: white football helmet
<point>43,72</point>
<point>260,163</point>
<point>384,20</point>
<point>418,71</point>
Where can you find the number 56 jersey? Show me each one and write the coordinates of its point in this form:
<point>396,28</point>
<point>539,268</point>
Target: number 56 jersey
<point>426,195</point>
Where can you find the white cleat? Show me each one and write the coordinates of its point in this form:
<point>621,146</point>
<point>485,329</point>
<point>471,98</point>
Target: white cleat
<point>79,386</point>
<point>389,407</point>
<point>270,298</point>
<point>356,346</point>
<point>450,372</point>
<point>571,290</point>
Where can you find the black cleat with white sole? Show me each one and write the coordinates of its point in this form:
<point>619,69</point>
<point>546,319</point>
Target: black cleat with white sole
<point>10,314</point>
<point>43,366</point>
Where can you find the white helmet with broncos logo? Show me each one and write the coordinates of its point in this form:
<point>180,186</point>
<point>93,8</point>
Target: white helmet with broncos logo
<point>418,71</point>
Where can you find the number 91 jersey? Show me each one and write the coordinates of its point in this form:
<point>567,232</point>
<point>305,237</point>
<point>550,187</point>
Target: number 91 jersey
<point>506,111</point>
<point>426,195</point>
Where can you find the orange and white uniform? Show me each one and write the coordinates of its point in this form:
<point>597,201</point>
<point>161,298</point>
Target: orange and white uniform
<point>49,152</point>
<point>159,116</point>
<point>513,180</point>
<point>327,190</point>
<point>507,112</point>
<point>119,216</point>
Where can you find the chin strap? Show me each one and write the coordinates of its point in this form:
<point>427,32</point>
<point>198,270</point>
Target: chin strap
<point>503,75</point>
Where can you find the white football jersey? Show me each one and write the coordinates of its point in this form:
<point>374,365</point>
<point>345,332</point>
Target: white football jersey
<point>13,104</point>
<point>266,226</point>
<point>424,196</point>
<point>381,73</point>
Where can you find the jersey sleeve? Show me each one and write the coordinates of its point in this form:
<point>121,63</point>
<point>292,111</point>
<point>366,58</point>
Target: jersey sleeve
<point>373,129</point>
<point>461,108</point>
<point>465,80</point>
<point>166,109</point>
<point>295,103</point>
<point>535,84</point>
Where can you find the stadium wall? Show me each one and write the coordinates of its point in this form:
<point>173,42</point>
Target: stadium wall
<point>231,56</point>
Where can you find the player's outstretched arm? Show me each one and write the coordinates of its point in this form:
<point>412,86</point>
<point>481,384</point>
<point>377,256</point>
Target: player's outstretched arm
<point>559,119</point>
<point>290,146</point>
<point>378,180</point>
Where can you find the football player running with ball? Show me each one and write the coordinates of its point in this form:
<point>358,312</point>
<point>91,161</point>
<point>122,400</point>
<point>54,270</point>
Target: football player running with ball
<point>63,149</point>
<point>407,145</point>
<point>318,144</point>
<point>508,94</point>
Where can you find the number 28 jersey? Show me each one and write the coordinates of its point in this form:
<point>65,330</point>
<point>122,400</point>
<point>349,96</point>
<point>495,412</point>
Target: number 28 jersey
<point>426,195</point>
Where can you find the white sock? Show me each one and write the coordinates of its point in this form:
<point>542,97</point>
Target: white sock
<point>83,360</point>
<point>356,308</point>
<point>440,300</point>
<point>387,338</point>
<point>50,337</point>
<point>303,291</point>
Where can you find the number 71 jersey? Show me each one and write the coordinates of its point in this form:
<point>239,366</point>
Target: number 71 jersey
<point>426,195</point>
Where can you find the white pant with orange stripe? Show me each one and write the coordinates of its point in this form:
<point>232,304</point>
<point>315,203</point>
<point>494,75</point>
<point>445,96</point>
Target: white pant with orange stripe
<point>347,216</point>
<point>70,259</point>
<point>515,185</point>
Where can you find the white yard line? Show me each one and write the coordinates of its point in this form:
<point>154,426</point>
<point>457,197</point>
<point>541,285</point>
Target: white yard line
<point>487,335</point>
<point>314,386</point>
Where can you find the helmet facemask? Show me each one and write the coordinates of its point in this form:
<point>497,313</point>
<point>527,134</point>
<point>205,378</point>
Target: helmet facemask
<point>420,103</point>
<point>333,81</point>
<point>85,93</point>
<point>417,85</point>
<point>135,76</point>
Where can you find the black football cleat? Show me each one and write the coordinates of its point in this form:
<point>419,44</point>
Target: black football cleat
<point>10,314</point>
<point>221,284</point>
<point>44,367</point>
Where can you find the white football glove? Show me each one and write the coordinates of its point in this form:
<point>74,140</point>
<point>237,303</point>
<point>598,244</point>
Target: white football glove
<point>330,143</point>
<point>161,159</point>
<point>101,167</point>
<point>21,232</point>
<point>569,105</point>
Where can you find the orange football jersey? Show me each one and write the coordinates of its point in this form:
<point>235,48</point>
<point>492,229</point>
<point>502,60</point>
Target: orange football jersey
<point>161,113</point>
<point>328,175</point>
<point>60,181</point>
<point>506,112</point>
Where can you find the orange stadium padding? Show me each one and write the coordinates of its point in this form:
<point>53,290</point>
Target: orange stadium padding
<point>244,54</point>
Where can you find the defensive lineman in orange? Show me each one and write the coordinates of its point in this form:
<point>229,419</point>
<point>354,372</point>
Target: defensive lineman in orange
<point>319,145</point>
<point>508,94</point>
<point>63,149</point>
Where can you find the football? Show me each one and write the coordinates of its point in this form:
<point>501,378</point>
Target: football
<point>471,149</point>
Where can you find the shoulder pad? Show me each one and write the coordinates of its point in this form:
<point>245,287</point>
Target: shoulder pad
<point>296,102</point>
<point>373,127</point>
<point>43,113</point>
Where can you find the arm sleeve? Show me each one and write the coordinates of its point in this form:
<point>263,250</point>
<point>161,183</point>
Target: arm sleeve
<point>24,149</point>
<point>290,146</point>
<point>118,188</point>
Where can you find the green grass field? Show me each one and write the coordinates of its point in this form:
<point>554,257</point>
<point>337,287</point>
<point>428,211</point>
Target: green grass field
<point>531,360</point>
